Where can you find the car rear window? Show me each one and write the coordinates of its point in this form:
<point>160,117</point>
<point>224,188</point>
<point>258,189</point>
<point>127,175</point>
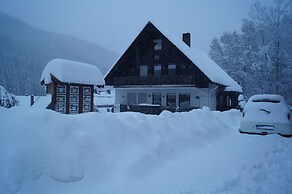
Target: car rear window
<point>266,100</point>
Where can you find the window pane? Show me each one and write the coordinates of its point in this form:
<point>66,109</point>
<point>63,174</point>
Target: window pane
<point>73,108</point>
<point>61,99</point>
<point>184,101</point>
<point>157,69</point>
<point>86,99</point>
<point>171,100</point>
<point>171,69</point>
<point>74,99</point>
<point>61,108</point>
<point>74,90</point>
<point>143,70</point>
<point>86,107</point>
<point>86,91</point>
<point>156,99</point>
<point>61,89</point>
<point>157,44</point>
<point>142,98</point>
<point>131,98</point>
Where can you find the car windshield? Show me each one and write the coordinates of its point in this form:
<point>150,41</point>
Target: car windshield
<point>266,100</point>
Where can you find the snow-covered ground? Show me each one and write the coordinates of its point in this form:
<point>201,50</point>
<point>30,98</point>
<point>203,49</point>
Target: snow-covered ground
<point>201,151</point>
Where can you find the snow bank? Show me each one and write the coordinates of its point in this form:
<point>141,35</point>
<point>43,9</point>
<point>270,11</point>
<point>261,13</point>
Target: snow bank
<point>42,151</point>
<point>72,72</point>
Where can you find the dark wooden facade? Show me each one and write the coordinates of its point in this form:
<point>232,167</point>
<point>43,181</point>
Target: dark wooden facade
<point>70,98</point>
<point>142,52</point>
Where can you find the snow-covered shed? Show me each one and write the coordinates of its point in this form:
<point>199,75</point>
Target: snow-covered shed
<point>160,69</point>
<point>71,84</point>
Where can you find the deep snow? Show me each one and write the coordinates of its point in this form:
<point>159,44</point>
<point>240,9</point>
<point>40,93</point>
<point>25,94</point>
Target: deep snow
<point>201,151</point>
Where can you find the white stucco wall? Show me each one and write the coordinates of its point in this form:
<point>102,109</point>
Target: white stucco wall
<point>199,97</point>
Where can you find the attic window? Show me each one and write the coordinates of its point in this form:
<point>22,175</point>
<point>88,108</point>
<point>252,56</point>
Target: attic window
<point>171,69</point>
<point>143,70</point>
<point>157,69</point>
<point>157,44</point>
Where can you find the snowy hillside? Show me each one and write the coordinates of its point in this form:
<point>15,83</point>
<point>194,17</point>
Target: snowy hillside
<point>42,151</point>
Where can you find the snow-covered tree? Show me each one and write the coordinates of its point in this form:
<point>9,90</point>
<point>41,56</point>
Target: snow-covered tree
<point>7,100</point>
<point>260,57</point>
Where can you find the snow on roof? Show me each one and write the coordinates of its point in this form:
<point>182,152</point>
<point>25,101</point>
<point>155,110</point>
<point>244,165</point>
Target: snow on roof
<point>215,73</point>
<point>72,72</point>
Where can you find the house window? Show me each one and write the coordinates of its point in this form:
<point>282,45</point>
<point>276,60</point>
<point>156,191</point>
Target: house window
<point>61,99</point>
<point>157,69</point>
<point>171,100</point>
<point>61,89</point>
<point>86,99</point>
<point>171,69</point>
<point>73,108</point>
<point>228,101</point>
<point>74,90</point>
<point>156,99</point>
<point>86,91</point>
<point>184,101</point>
<point>86,108</point>
<point>143,70</point>
<point>131,98</point>
<point>142,98</point>
<point>157,44</point>
<point>74,98</point>
<point>60,108</point>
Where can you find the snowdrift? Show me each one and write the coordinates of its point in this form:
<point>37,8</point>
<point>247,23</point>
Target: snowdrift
<point>42,151</point>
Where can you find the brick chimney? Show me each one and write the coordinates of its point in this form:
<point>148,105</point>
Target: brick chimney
<point>186,37</point>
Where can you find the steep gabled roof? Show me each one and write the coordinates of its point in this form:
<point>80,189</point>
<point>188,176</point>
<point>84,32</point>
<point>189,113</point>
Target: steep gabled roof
<point>72,72</point>
<point>200,59</point>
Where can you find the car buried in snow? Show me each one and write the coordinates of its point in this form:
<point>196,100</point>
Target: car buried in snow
<point>265,114</point>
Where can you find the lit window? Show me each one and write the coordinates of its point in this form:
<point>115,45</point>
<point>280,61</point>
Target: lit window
<point>157,69</point>
<point>143,70</point>
<point>157,44</point>
<point>171,69</point>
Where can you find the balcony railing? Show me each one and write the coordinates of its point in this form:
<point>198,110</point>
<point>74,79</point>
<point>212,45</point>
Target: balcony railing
<point>158,80</point>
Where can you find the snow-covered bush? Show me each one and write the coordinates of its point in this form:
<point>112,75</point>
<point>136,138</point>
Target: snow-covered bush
<point>7,100</point>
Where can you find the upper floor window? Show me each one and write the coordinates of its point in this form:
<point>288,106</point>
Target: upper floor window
<point>157,69</point>
<point>143,70</point>
<point>157,44</point>
<point>171,69</point>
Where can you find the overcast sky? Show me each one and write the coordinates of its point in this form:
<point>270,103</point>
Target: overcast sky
<point>114,24</point>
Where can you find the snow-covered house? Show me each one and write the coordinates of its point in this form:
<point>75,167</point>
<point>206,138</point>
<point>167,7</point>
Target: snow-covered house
<point>71,84</point>
<point>159,71</point>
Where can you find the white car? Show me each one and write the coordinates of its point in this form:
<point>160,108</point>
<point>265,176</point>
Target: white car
<point>266,113</point>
